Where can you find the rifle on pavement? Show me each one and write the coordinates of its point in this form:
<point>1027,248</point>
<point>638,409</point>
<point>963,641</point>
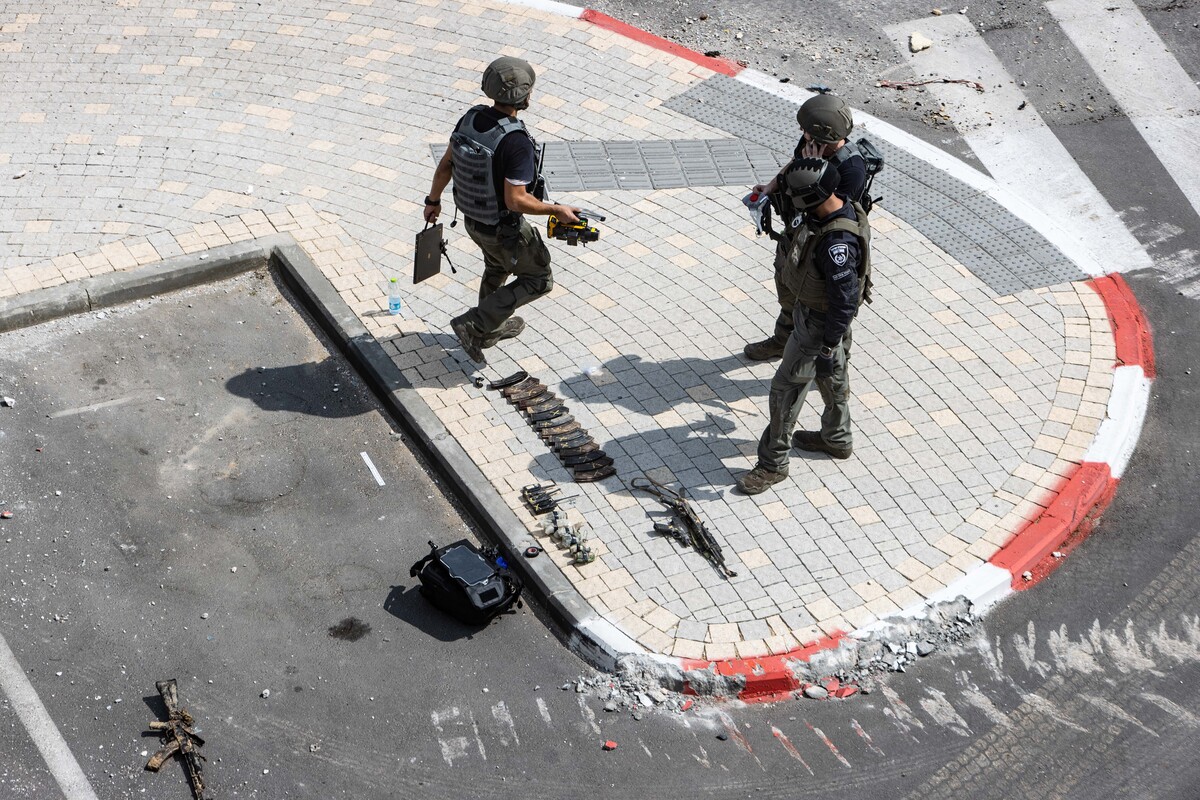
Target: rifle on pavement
<point>179,738</point>
<point>691,530</point>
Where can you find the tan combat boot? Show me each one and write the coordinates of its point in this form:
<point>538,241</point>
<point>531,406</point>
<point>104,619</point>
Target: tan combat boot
<point>759,479</point>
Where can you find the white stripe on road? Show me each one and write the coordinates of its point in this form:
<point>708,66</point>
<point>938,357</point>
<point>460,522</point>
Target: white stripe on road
<point>1017,146</point>
<point>371,466</point>
<point>41,728</point>
<point>1154,91</point>
<point>1052,228</point>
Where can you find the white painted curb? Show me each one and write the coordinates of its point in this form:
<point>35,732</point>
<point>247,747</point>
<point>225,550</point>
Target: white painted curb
<point>1119,432</point>
<point>551,7</point>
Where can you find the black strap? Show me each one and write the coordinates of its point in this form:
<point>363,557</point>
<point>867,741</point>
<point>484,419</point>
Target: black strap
<point>417,567</point>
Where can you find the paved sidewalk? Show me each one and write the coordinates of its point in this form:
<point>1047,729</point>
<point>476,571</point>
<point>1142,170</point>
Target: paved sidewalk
<point>981,374</point>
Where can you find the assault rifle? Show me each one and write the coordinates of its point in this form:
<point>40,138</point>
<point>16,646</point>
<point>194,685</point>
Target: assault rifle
<point>179,738</point>
<point>692,529</point>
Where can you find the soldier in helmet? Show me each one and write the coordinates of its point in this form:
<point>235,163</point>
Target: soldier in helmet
<point>828,276</point>
<point>825,122</point>
<point>492,161</point>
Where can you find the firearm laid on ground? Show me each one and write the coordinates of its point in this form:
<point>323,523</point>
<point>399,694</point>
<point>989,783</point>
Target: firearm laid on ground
<point>691,529</point>
<point>178,738</point>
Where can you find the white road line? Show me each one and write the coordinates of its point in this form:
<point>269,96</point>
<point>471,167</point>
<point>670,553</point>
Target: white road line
<point>1017,147</point>
<point>544,710</point>
<point>41,728</point>
<point>371,466</point>
<point>500,714</point>
<point>1160,98</point>
<point>68,412</point>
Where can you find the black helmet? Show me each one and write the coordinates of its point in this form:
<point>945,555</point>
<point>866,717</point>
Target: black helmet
<point>810,182</point>
<point>825,118</point>
<point>509,81</point>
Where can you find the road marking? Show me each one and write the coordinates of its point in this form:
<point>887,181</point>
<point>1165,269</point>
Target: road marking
<point>70,412</point>
<point>940,711</point>
<point>371,466</point>
<point>1173,709</point>
<point>1017,147</point>
<point>41,728</point>
<point>544,710</point>
<point>902,715</point>
<point>981,701</point>
<point>1155,92</point>
<point>501,715</point>
<point>829,743</point>
<point>791,748</point>
<point>588,714</point>
<point>866,737</point>
<point>731,728</point>
<point>478,740</point>
<point>1117,712</point>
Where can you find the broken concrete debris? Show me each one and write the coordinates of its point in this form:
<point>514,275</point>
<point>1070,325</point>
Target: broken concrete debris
<point>840,672</point>
<point>918,42</point>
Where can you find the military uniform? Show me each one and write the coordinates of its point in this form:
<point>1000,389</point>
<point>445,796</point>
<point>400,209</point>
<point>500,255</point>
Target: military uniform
<point>853,171</point>
<point>829,275</point>
<point>488,149</point>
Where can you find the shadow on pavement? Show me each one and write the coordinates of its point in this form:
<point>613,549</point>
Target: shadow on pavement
<point>407,604</point>
<point>315,389</point>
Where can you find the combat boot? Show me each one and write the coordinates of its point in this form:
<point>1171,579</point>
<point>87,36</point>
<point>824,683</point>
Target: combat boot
<point>812,441</point>
<point>759,479</point>
<point>511,329</point>
<point>468,338</point>
<point>766,350</point>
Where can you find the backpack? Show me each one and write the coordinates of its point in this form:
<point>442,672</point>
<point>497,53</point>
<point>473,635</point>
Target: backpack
<point>469,584</point>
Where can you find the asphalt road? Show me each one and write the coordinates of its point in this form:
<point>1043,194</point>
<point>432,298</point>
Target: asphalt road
<point>1084,686</point>
<point>250,459</point>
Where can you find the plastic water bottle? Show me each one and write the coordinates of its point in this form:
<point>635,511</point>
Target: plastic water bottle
<point>394,304</point>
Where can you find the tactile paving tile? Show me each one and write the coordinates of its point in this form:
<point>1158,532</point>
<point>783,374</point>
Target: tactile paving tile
<point>970,226</point>
<point>663,164</point>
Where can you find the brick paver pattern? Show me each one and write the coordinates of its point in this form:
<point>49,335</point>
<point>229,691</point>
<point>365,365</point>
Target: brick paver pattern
<point>137,131</point>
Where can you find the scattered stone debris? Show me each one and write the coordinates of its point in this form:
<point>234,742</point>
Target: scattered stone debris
<point>7,402</point>
<point>265,694</point>
<point>902,85</point>
<point>918,42</point>
<point>850,668</point>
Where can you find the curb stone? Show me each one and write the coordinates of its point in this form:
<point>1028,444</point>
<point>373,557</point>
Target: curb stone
<point>1030,555</point>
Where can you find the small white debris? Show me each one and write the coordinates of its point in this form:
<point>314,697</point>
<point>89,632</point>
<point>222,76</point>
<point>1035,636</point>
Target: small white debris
<point>233,569</point>
<point>1058,554</point>
<point>918,42</point>
<point>204,615</point>
<point>265,694</point>
<point>1027,575</point>
<point>7,402</point>
<point>20,175</point>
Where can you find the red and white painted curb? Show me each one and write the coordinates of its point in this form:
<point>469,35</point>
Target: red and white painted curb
<point>1031,554</point>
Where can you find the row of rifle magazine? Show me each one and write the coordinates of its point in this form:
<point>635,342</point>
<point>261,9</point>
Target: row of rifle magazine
<point>552,421</point>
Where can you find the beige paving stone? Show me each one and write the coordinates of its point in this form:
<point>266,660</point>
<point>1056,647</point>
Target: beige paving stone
<point>753,559</point>
<point>686,648</point>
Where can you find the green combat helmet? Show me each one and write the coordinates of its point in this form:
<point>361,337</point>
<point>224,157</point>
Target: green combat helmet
<point>810,182</point>
<point>825,118</point>
<point>509,81</point>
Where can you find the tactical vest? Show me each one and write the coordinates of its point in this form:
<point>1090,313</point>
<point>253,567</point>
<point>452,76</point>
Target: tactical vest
<point>801,274</point>
<point>472,152</point>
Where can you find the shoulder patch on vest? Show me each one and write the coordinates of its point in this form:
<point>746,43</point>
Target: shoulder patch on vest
<point>839,253</point>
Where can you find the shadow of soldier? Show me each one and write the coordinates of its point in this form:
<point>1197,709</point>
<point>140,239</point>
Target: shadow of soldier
<point>431,359</point>
<point>316,389</point>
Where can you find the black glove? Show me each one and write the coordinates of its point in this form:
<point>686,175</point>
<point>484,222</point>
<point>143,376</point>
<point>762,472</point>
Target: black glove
<point>825,362</point>
<point>824,366</point>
